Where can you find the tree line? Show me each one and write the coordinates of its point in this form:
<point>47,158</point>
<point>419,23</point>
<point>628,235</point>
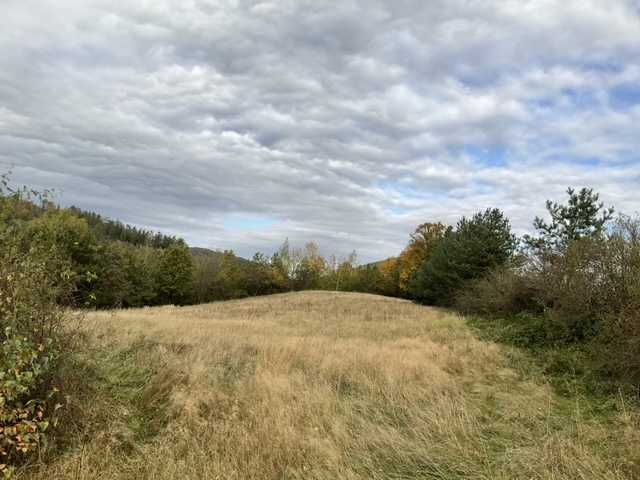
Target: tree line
<point>105,263</point>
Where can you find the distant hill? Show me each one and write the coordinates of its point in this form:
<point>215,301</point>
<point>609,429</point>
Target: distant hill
<point>378,263</point>
<point>213,254</point>
<point>108,229</point>
<point>203,252</point>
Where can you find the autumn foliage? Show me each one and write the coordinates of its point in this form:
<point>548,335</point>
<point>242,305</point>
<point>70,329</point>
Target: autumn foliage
<point>422,243</point>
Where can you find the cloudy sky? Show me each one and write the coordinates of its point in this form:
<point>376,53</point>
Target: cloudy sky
<point>237,123</point>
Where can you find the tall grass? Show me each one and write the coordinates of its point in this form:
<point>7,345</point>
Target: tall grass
<point>323,385</point>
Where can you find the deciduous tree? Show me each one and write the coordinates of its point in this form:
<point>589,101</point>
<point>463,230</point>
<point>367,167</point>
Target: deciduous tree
<point>422,244</point>
<point>175,275</point>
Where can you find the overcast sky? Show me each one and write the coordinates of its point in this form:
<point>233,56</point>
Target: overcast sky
<point>236,124</point>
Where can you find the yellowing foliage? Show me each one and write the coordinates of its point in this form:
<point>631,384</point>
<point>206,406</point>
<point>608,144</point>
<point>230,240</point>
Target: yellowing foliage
<point>390,276</point>
<point>421,245</point>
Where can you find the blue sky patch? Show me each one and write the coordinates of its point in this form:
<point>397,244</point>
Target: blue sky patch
<point>492,155</point>
<point>625,96</point>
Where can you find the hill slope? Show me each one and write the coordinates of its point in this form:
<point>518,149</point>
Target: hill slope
<point>323,385</point>
<point>214,254</point>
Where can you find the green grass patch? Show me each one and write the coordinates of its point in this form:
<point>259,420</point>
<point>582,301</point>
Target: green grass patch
<point>122,393</point>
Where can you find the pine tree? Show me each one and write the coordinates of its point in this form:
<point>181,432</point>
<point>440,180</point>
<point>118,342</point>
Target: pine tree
<point>582,216</point>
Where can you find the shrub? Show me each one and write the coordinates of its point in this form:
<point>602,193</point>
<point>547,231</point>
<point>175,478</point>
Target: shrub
<point>30,346</point>
<point>618,342</point>
<point>24,397</point>
<point>67,244</point>
<point>594,281</point>
<point>586,296</point>
<point>30,336</point>
<point>617,347</point>
<point>503,292</point>
<point>573,290</point>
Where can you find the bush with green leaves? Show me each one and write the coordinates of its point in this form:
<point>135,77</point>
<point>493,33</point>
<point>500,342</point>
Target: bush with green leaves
<point>68,245</point>
<point>30,335</point>
<point>30,347</point>
<point>26,402</point>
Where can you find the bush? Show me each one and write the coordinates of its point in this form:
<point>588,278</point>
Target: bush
<point>573,290</point>
<point>67,244</point>
<point>503,292</point>
<point>30,336</point>
<point>618,342</point>
<point>617,347</point>
<point>593,286</point>
<point>24,396</point>
<point>30,346</point>
<point>587,296</point>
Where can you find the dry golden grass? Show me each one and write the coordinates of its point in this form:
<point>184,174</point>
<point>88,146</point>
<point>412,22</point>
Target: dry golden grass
<point>322,385</point>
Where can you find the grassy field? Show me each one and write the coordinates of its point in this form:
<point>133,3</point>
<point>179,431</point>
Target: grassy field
<point>322,385</point>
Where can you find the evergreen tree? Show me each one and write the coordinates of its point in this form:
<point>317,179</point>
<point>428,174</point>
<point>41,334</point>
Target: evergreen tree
<point>582,216</point>
<point>478,244</point>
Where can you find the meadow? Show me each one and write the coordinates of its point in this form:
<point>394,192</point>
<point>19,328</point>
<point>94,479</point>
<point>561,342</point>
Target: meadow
<point>323,385</point>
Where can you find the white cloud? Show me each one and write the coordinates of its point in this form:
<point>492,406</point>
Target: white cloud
<point>346,122</point>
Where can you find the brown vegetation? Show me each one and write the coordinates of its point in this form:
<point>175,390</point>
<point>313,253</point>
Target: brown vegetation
<point>323,385</point>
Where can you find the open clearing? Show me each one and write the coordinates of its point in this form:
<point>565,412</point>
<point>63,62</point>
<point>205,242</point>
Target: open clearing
<point>322,385</point>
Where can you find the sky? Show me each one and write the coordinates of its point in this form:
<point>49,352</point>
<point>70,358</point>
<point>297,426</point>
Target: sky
<point>236,124</point>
